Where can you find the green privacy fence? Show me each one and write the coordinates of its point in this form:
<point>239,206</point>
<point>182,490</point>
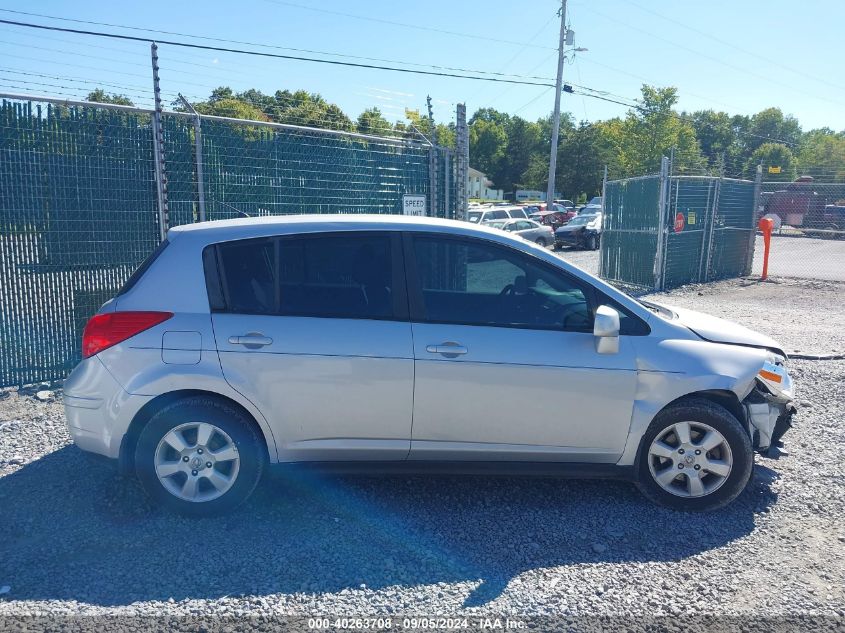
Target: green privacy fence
<point>662,231</point>
<point>79,208</point>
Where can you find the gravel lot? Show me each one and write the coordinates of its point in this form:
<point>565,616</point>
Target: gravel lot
<point>77,539</point>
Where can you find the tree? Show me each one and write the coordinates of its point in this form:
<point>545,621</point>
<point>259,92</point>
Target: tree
<point>101,96</point>
<point>523,142</point>
<point>776,156</point>
<point>371,121</point>
<point>582,156</point>
<point>771,126</point>
<point>822,155</point>
<point>716,136</point>
<point>232,108</point>
<point>651,131</point>
<point>487,143</point>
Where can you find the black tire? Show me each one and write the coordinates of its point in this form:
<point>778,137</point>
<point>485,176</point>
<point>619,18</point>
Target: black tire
<point>592,243</point>
<point>541,242</point>
<point>720,419</point>
<point>250,446</point>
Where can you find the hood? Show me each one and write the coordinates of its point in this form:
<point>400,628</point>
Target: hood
<point>567,228</point>
<point>718,330</point>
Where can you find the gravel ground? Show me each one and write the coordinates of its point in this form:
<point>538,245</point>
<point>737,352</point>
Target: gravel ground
<point>77,539</point>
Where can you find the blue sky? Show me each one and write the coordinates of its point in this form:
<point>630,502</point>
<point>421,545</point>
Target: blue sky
<point>738,56</point>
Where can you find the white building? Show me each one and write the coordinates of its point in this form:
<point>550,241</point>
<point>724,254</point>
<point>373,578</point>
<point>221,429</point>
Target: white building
<point>480,186</point>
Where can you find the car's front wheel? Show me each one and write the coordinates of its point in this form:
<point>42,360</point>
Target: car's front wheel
<point>695,455</point>
<point>199,456</point>
<point>541,241</point>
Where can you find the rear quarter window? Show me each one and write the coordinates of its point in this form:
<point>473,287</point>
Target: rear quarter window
<point>136,276</point>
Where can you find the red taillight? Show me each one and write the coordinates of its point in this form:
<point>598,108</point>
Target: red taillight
<point>105,330</point>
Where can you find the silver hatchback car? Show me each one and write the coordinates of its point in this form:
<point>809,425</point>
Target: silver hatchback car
<point>411,343</point>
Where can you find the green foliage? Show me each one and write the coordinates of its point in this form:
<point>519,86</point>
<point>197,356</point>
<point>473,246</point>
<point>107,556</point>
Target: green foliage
<point>823,152</point>
<point>101,96</point>
<point>371,121</point>
<point>774,155</point>
<point>230,107</point>
<point>651,131</point>
<point>487,142</point>
<point>513,152</point>
<point>582,155</point>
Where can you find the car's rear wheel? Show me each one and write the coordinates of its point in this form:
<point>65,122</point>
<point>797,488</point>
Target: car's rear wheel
<point>695,455</point>
<point>199,456</point>
<point>541,241</point>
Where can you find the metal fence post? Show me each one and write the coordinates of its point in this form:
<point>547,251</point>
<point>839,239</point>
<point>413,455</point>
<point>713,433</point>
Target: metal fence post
<point>197,156</point>
<point>432,177</point>
<point>708,213</point>
<point>714,210</point>
<point>461,163</point>
<point>447,183</point>
<point>660,255</point>
<point>602,243</point>
<point>752,234</point>
<point>158,150</point>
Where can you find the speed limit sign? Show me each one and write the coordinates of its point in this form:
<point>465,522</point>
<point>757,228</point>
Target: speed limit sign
<point>413,204</point>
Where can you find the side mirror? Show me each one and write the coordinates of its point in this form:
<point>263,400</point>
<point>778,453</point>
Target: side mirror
<point>606,330</point>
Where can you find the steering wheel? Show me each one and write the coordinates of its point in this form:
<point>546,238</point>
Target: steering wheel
<point>507,290</point>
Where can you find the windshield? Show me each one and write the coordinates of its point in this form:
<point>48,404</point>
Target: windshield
<point>474,216</point>
<point>595,201</point>
<point>496,225</point>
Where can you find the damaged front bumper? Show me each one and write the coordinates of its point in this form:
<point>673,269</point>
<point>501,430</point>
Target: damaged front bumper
<point>769,407</point>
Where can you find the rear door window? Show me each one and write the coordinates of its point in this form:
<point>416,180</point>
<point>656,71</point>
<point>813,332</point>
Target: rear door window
<point>341,276</point>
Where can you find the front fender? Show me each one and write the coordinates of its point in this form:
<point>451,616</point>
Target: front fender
<point>671,369</point>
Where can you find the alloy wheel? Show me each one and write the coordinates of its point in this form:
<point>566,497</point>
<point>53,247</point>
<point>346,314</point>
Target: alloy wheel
<point>197,462</point>
<point>690,459</point>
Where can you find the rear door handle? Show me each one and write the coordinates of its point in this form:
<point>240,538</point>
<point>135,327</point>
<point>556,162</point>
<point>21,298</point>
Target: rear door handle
<point>252,340</point>
<point>449,349</point>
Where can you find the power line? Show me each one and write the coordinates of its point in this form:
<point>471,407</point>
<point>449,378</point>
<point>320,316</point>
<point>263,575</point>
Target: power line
<point>704,55</point>
<point>780,64</point>
<point>273,55</point>
<point>404,24</point>
<point>272,46</point>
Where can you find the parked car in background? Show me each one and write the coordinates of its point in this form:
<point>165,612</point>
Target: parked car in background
<point>527,229</point>
<point>582,231</point>
<point>216,357</point>
<point>554,219</point>
<point>564,203</point>
<point>479,216</point>
<point>833,219</point>
<point>593,206</point>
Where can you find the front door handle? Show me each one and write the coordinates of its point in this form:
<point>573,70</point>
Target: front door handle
<point>252,340</point>
<point>449,349</point>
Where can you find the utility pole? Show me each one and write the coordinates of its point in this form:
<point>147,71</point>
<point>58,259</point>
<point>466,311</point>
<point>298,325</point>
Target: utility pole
<point>550,191</point>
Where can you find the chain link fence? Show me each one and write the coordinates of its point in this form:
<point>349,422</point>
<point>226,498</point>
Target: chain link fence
<point>662,231</point>
<point>809,237</point>
<point>79,208</point>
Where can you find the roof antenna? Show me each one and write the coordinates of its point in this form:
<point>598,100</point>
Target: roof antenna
<point>243,214</point>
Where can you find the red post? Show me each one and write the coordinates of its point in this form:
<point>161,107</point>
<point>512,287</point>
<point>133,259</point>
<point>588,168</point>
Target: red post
<point>766,225</point>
